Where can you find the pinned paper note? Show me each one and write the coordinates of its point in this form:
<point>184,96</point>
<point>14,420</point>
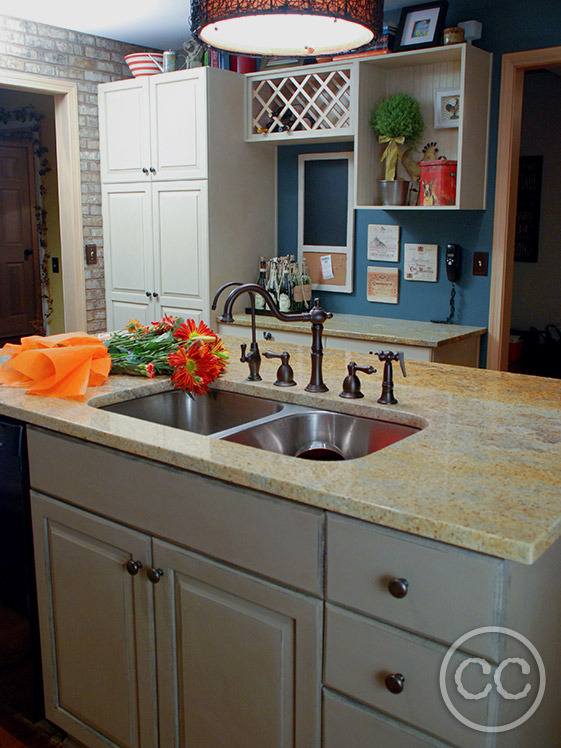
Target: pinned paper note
<point>326,267</point>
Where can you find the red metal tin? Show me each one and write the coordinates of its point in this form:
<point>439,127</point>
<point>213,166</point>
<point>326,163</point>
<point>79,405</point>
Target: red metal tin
<point>438,182</point>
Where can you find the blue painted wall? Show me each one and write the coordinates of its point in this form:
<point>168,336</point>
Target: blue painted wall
<point>507,27</point>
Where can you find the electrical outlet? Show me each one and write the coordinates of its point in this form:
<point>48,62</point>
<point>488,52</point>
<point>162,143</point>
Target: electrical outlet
<point>480,263</point>
<point>54,264</point>
<point>91,254</point>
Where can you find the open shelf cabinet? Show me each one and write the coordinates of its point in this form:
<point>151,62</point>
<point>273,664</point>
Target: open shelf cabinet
<point>335,101</point>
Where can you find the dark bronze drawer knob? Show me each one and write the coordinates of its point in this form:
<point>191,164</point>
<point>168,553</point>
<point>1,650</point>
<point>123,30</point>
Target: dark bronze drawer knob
<point>395,682</point>
<point>398,587</point>
<point>133,567</point>
<point>154,575</point>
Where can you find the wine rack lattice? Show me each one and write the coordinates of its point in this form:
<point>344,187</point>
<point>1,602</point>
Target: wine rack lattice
<point>302,102</point>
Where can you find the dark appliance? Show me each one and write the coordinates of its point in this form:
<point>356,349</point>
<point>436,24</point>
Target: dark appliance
<point>21,689</point>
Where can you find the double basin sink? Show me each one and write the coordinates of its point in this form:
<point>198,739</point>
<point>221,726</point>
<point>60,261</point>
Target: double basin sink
<point>285,428</point>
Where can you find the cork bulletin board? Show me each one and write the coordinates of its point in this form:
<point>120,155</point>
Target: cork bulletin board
<point>338,263</point>
<point>326,218</point>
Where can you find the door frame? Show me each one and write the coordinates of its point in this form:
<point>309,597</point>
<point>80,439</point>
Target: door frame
<point>69,187</point>
<point>514,66</point>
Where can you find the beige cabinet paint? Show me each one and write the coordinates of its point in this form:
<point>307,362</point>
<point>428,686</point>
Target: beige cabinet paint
<point>187,204</point>
<point>226,648</point>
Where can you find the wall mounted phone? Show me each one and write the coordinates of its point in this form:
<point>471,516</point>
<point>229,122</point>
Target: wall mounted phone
<point>453,262</point>
<point>453,268</point>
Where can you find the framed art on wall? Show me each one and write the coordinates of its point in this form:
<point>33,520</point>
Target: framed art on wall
<point>447,108</point>
<point>421,26</point>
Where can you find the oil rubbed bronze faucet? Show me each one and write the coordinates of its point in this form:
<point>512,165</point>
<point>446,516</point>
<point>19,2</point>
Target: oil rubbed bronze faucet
<point>316,315</point>
<point>253,356</point>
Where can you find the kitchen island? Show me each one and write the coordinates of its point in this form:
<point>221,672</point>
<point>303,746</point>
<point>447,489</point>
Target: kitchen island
<point>467,511</point>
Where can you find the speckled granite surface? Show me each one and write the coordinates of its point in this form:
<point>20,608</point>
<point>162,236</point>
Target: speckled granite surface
<point>484,474</point>
<point>379,329</point>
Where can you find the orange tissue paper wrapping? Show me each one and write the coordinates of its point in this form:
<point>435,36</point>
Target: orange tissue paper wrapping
<point>57,365</point>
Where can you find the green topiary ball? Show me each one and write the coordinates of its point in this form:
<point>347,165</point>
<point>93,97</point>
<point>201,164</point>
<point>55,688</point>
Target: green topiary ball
<point>399,115</point>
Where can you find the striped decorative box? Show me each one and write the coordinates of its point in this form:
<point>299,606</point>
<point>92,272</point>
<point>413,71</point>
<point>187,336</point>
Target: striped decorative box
<point>145,63</point>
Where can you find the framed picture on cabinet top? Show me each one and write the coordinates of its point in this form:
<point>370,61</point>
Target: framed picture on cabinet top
<point>447,108</point>
<point>421,26</point>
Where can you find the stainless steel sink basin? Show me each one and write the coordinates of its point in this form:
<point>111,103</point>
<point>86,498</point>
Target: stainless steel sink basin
<point>285,428</point>
<point>322,435</point>
<point>218,411</point>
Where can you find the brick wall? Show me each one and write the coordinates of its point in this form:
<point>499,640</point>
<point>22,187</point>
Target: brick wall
<point>38,49</point>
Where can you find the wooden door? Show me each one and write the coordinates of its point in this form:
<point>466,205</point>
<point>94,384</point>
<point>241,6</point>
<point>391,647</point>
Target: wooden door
<point>20,302</point>
<point>239,658</point>
<point>180,236</point>
<point>129,266</point>
<point>96,625</point>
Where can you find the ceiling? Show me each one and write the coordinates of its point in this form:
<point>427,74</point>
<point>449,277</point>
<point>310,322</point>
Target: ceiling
<point>163,24</point>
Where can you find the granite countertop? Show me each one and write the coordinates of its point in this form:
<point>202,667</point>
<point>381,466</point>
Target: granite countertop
<point>380,329</point>
<point>484,473</point>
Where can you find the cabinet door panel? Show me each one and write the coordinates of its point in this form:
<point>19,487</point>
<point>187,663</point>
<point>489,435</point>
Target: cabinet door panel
<point>129,271</point>
<point>238,658</point>
<point>124,131</point>
<point>178,125</point>
<point>181,244</point>
<point>96,627</point>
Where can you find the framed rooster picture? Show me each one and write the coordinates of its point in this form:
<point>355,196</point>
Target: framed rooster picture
<point>447,111</point>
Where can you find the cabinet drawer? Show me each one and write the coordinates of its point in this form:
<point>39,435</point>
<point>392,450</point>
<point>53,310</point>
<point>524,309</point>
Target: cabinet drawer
<point>347,723</point>
<point>361,653</point>
<point>270,536</point>
<point>450,591</point>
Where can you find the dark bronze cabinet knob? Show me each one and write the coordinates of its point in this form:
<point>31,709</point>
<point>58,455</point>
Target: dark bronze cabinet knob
<point>154,575</point>
<point>144,170</point>
<point>152,170</point>
<point>133,567</point>
<point>398,587</point>
<point>395,682</point>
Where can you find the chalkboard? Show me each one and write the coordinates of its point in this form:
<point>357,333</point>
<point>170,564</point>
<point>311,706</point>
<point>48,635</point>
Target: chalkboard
<point>527,237</point>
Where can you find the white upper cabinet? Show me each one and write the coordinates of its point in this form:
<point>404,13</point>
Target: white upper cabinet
<point>154,127</point>
<point>335,101</point>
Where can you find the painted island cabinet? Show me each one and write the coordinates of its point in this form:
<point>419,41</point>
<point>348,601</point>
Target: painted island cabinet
<point>176,222</point>
<point>178,610</point>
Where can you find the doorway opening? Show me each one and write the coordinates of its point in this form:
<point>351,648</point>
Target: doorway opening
<point>64,97</point>
<point>514,68</point>
<point>31,300</point>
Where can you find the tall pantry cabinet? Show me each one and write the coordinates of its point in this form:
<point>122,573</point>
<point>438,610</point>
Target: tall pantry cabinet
<point>187,204</point>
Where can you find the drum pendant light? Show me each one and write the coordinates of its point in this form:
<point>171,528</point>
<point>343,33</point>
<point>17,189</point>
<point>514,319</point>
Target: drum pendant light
<point>286,27</point>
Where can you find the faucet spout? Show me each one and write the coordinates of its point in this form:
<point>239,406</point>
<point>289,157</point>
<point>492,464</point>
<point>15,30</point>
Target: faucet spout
<point>316,315</point>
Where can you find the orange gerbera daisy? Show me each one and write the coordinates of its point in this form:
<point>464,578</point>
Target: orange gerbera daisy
<point>194,368</point>
<point>218,350</point>
<point>134,324</point>
<point>167,322</point>
<point>190,331</point>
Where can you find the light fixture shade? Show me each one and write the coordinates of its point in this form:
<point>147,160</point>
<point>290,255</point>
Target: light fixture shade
<point>286,27</point>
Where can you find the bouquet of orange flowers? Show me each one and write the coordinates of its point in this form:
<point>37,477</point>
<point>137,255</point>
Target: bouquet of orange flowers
<point>192,354</point>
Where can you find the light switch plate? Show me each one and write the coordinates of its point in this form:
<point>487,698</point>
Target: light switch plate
<point>91,254</point>
<point>480,263</point>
